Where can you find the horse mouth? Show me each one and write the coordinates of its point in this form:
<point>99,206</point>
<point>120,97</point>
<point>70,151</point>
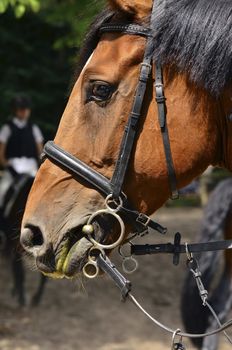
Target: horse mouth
<point>72,252</point>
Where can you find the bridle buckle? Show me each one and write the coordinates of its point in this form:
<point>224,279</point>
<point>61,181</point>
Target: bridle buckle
<point>145,70</point>
<point>143,219</point>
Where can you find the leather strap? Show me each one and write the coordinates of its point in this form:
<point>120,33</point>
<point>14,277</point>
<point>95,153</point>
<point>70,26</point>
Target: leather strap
<point>76,167</point>
<point>140,222</point>
<point>131,129</point>
<point>162,115</point>
<point>176,249</point>
<point>131,29</point>
<point>169,248</point>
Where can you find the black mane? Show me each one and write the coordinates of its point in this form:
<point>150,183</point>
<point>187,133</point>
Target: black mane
<point>197,36</point>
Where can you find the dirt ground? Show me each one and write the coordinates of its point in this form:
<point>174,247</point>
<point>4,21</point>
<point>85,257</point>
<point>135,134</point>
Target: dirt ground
<point>89,315</point>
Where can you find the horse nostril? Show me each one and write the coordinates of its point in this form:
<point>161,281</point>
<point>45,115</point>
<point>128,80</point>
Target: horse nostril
<point>31,238</point>
<point>33,242</point>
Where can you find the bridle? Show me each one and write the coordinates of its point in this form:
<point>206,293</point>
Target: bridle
<point>113,189</point>
<point>116,203</point>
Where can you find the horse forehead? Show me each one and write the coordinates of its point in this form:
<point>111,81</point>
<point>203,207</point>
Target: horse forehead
<point>120,49</point>
<point>139,8</point>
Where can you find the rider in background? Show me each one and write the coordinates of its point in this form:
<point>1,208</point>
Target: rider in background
<point>21,143</point>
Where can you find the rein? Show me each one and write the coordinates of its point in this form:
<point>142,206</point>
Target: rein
<point>116,203</point>
<point>125,287</point>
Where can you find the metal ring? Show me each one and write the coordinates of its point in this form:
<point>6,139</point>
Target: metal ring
<point>120,250</point>
<point>122,227</point>
<point>119,206</point>
<point>174,336</point>
<point>92,259</point>
<point>125,269</point>
<point>88,274</point>
<point>92,263</point>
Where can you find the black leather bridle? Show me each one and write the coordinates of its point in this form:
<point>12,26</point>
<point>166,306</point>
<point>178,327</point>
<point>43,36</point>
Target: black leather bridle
<point>113,187</point>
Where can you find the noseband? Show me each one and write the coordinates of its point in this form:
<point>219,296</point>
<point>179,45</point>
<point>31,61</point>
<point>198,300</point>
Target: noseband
<point>113,188</point>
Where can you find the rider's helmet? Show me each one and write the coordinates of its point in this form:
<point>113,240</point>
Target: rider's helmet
<point>20,101</point>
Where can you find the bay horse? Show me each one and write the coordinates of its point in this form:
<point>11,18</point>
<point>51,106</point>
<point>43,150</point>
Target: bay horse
<point>192,39</point>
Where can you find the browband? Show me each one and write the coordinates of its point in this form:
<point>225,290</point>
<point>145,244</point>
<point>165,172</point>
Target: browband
<point>132,29</point>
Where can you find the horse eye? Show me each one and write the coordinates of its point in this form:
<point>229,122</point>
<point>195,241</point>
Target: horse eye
<point>101,91</point>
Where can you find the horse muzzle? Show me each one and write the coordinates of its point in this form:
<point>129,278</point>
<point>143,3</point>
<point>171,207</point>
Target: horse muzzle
<point>104,230</point>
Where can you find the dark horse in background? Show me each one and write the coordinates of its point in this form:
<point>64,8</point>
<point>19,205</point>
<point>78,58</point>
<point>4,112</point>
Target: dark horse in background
<point>216,224</point>
<point>14,206</point>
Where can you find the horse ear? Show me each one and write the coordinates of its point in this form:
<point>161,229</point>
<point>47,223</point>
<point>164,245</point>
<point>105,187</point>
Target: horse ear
<point>138,8</point>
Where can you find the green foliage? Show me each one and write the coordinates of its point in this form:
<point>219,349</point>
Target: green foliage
<point>78,14</point>
<point>19,6</point>
<point>38,51</point>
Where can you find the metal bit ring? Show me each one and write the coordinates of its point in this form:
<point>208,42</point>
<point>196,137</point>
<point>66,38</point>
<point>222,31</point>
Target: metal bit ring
<point>91,269</point>
<point>126,268</point>
<point>122,227</point>
<point>92,258</point>
<point>109,199</point>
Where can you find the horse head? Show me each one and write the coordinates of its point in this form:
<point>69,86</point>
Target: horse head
<point>92,128</point>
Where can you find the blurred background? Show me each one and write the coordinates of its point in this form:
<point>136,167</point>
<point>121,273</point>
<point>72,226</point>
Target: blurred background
<point>39,45</point>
